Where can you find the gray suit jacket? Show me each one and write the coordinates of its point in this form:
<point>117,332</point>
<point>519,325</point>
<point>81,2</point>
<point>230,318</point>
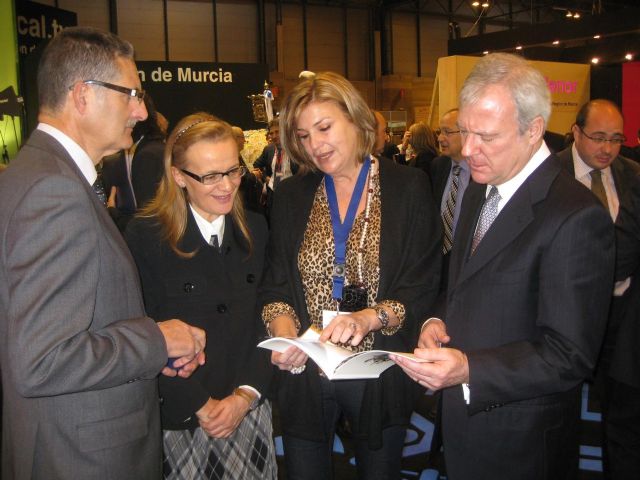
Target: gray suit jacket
<point>79,356</point>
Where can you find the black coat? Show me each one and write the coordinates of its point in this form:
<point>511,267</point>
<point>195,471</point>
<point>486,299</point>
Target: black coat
<point>215,291</point>
<point>410,243</point>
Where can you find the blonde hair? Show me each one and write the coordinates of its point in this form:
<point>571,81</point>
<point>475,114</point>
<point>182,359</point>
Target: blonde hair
<point>325,87</point>
<point>169,206</point>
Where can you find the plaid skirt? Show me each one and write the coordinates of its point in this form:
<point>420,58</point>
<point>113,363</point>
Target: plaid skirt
<point>247,454</point>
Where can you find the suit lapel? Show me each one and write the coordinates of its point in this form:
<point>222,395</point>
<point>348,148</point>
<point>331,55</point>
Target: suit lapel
<point>516,215</point>
<point>46,142</point>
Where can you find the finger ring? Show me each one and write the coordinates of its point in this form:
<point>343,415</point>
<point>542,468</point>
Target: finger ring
<point>297,370</point>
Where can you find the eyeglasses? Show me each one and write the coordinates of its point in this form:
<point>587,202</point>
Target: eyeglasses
<point>215,177</point>
<point>446,133</point>
<point>131,92</point>
<point>599,139</point>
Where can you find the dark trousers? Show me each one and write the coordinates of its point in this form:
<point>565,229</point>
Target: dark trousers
<point>621,418</point>
<point>309,460</point>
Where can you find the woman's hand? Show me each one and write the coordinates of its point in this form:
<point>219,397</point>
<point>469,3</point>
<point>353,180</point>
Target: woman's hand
<point>222,417</point>
<point>351,328</point>
<point>291,358</point>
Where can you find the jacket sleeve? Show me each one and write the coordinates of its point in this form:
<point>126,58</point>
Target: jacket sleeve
<point>53,260</point>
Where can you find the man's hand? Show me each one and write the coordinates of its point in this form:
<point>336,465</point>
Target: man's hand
<point>446,367</point>
<point>185,344</point>
<point>433,334</point>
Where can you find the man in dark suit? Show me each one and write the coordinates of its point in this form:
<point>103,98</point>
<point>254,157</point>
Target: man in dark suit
<point>79,357</point>
<point>622,412</point>
<point>595,160</point>
<point>526,309</point>
<point>131,177</point>
<point>450,176</point>
<point>273,165</point>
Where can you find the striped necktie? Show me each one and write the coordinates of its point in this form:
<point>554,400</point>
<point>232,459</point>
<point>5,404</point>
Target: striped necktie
<point>449,209</point>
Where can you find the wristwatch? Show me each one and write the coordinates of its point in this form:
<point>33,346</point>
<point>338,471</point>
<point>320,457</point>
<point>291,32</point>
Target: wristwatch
<point>383,316</point>
<point>252,400</point>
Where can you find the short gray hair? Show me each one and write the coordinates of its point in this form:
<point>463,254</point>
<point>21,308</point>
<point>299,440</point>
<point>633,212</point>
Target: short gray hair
<point>527,86</point>
<point>77,54</point>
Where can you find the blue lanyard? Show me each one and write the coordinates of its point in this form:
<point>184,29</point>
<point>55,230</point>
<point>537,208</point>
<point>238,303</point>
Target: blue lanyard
<point>341,230</point>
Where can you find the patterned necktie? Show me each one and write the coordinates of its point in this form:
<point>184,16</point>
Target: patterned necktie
<point>98,188</point>
<point>487,216</point>
<point>449,209</point>
<point>597,187</point>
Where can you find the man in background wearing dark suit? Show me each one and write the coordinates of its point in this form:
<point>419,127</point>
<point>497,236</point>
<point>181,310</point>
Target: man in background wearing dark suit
<point>131,177</point>
<point>79,357</point>
<point>529,286</point>
<point>594,159</point>
<point>273,165</point>
<point>250,186</point>
<point>622,383</point>
<point>450,176</point>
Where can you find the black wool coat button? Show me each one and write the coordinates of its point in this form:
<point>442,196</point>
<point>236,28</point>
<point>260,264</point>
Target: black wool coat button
<point>251,278</point>
<point>222,308</point>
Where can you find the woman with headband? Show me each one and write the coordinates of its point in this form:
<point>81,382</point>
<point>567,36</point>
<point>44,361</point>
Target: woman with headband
<point>200,257</point>
<point>349,233</point>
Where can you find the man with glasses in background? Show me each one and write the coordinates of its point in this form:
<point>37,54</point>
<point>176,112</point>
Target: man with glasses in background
<point>594,159</point>
<point>79,356</point>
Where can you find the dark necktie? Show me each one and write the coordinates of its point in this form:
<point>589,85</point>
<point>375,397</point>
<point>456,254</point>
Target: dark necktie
<point>449,209</point>
<point>213,241</point>
<point>597,187</point>
<point>98,188</point>
<point>487,216</point>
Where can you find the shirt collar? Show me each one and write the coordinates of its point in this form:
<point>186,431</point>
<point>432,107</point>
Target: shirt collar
<point>509,188</point>
<point>207,229</point>
<point>580,168</point>
<point>79,156</point>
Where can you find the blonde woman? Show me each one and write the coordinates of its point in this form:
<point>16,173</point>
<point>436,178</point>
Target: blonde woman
<point>200,256</point>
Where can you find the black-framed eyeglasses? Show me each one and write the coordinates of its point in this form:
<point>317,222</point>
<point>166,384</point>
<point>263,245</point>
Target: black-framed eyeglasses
<point>600,139</point>
<point>139,94</point>
<point>446,133</point>
<point>215,177</point>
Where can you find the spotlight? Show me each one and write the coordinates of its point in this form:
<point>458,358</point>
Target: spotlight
<point>475,4</point>
<point>486,52</point>
<point>485,5</point>
<point>556,42</point>
<point>595,60</point>
<point>596,37</point>
<point>569,14</point>
<point>576,15</point>
<point>628,56</point>
<point>519,47</point>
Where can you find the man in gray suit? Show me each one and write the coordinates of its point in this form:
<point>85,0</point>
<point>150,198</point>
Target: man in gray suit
<point>79,356</point>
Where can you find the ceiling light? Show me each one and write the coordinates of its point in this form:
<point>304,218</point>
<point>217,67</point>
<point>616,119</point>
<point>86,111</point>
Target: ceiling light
<point>596,37</point>
<point>475,4</point>
<point>486,52</point>
<point>569,14</point>
<point>556,42</point>
<point>485,5</point>
<point>629,56</point>
<point>595,60</point>
<point>519,47</point>
<point>576,15</point>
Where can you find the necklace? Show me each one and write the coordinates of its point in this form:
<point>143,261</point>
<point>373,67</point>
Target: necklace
<point>367,209</point>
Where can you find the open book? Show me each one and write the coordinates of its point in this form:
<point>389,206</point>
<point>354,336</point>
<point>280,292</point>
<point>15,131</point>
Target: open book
<point>336,362</point>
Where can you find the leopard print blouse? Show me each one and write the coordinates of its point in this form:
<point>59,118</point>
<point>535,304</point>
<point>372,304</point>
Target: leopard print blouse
<point>315,263</point>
